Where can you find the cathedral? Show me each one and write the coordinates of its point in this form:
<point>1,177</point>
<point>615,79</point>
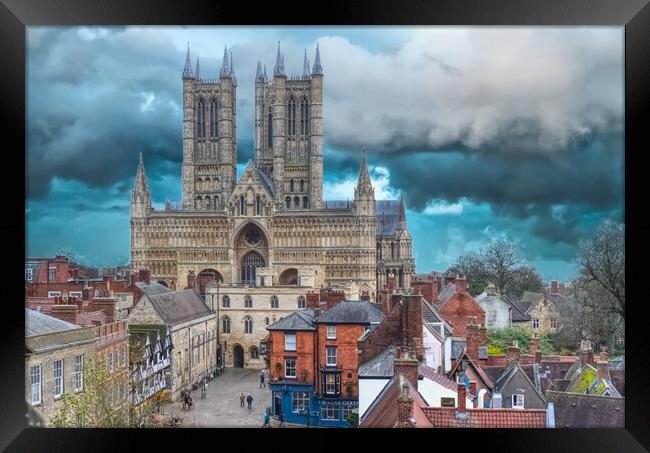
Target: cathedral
<point>271,228</point>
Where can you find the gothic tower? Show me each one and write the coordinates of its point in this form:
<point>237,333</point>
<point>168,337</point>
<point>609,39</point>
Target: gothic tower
<point>289,132</point>
<point>209,136</point>
<point>364,193</point>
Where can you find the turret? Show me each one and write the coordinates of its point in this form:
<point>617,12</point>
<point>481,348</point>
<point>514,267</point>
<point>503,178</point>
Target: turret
<point>279,133</point>
<point>225,65</point>
<point>316,135</point>
<point>305,68</point>
<point>187,70</point>
<point>364,193</point>
<point>140,197</point>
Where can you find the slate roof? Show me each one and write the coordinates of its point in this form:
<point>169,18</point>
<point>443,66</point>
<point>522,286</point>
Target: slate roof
<point>175,307</point>
<point>446,293</point>
<point>431,315</point>
<point>152,288</point>
<point>574,410</point>
<point>387,213</point>
<point>352,312</point>
<point>37,323</point>
<point>382,413</point>
<point>516,313</point>
<point>527,300</point>
<point>618,379</point>
<point>381,365</point>
<point>450,417</point>
<point>509,372</point>
<point>298,320</point>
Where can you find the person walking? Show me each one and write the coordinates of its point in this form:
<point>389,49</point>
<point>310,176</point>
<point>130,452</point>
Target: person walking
<point>267,419</point>
<point>262,379</point>
<point>249,400</point>
<point>241,399</point>
<point>280,417</point>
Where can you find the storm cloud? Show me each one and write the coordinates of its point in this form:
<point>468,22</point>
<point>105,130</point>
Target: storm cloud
<point>527,122</point>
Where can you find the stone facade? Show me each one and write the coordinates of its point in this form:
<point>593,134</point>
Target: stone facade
<point>545,317</point>
<point>273,221</point>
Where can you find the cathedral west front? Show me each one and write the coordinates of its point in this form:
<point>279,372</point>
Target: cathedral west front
<point>255,246</point>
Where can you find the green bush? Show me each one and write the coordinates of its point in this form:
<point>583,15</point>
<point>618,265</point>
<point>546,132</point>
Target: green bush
<point>500,339</point>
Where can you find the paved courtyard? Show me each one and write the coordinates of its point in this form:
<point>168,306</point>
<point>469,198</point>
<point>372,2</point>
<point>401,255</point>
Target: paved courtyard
<point>221,408</point>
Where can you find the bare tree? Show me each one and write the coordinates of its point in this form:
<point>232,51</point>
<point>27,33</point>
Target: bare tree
<point>497,263</point>
<point>603,263</point>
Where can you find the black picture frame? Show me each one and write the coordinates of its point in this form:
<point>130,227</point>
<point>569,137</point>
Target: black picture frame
<point>634,15</point>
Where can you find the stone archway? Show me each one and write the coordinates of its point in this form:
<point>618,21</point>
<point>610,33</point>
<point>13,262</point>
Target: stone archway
<point>288,277</point>
<point>205,277</point>
<point>251,251</point>
<point>238,356</point>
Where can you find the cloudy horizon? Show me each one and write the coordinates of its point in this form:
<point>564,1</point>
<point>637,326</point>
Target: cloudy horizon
<point>499,132</point>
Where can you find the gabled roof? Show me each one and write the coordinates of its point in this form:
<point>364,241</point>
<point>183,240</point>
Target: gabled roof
<point>298,320</point>
<point>477,369</point>
<point>446,293</point>
<point>352,312</point>
<point>382,413</point>
<point>37,323</point>
<point>266,182</point>
<point>175,307</point>
<point>431,315</point>
<point>431,374</point>
<point>582,379</point>
<point>510,372</point>
<point>381,365</point>
<point>258,174</point>
<point>527,300</point>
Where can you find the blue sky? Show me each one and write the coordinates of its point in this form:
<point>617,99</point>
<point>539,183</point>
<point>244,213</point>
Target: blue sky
<point>487,132</point>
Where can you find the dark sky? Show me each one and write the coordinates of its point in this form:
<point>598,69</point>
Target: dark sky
<point>496,132</point>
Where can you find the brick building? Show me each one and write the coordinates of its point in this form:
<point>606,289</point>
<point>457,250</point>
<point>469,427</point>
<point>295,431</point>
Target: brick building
<point>457,307</point>
<point>314,360</point>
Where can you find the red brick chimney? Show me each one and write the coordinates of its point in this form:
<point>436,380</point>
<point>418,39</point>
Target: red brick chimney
<point>538,357</point>
<point>66,313</point>
<point>144,275</point>
<point>107,281</point>
<point>331,297</point>
<point>461,390</point>
<point>554,287</point>
<point>405,408</point>
<point>312,299</point>
<point>603,370</point>
<point>412,324</point>
<point>534,345</point>
<point>482,341</point>
<point>472,338</point>
<point>107,304</point>
<point>385,300</point>
<point>512,353</point>
<point>74,273</point>
<point>407,365</point>
<point>461,285</point>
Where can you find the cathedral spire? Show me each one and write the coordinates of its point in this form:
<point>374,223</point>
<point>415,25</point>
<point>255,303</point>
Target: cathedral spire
<point>364,178</point>
<point>401,225</point>
<point>187,70</point>
<point>364,193</point>
<point>317,68</point>
<point>232,66</point>
<point>278,69</point>
<point>259,76</point>
<point>225,66</point>
<point>305,67</point>
<point>265,76</point>
<point>197,74</point>
<point>141,192</point>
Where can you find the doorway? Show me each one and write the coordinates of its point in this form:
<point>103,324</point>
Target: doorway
<point>238,356</point>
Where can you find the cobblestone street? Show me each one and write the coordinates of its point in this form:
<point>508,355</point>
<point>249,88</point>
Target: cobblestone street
<point>221,408</point>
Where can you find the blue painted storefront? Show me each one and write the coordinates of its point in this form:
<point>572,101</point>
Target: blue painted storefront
<point>323,411</point>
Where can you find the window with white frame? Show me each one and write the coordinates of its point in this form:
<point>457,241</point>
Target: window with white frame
<point>79,372</point>
<point>331,355</point>
<point>329,410</point>
<point>58,378</point>
<point>51,294</point>
<point>518,401</point>
<point>331,332</point>
<point>535,323</point>
<point>348,406</point>
<point>289,341</point>
<point>75,294</point>
<point>35,379</point>
<point>299,401</point>
<point>52,273</point>
<point>29,274</point>
<point>290,368</point>
<point>332,383</point>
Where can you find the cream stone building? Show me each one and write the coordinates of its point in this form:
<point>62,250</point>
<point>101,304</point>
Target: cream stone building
<point>271,228</point>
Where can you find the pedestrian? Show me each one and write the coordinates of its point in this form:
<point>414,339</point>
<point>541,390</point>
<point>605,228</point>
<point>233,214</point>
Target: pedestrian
<point>262,377</point>
<point>267,419</point>
<point>241,399</point>
<point>280,417</point>
<point>249,400</point>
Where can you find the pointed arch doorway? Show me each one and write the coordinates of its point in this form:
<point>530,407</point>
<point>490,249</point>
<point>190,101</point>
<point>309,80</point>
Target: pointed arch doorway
<point>238,356</point>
